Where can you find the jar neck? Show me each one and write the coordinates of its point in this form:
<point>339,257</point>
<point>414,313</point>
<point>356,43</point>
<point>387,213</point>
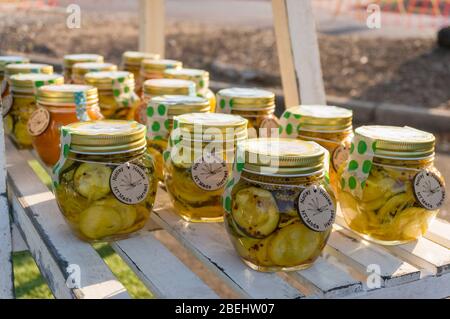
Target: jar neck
<point>294,181</point>
<point>121,157</point>
<point>416,163</point>
<point>323,136</point>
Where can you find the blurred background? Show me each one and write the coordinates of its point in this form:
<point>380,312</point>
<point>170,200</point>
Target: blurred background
<point>405,64</point>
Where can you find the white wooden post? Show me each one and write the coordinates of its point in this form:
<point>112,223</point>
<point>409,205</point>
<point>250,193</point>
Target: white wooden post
<point>298,52</point>
<point>151,26</point>
<point>6,270</point>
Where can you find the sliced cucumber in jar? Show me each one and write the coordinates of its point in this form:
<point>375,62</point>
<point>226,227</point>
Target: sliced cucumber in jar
<point>255,212</point>
<point>92,180</point>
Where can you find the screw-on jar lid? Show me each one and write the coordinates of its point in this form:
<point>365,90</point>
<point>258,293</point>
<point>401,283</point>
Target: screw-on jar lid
<point>200,77</point>
<point>136,57</point>
<point>8,59</point>
<point>246,99</point>
<point>27,82</point>
<point>399,142</point>
<point>81,68</point>
<point>66,94</point>
<point>151,65</point>
<point>282,156</point>
<point>28,68</point>
<point>106,136</point>
<point>103,79</point>
<point>155,87</point>
<point>71,59</point>
<point>321,118</point>
<point>181,104</point>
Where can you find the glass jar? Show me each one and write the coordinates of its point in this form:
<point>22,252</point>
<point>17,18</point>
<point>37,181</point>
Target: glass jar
<point>23,103</point>
<point>154,68</point>
<point>131,62</point>
<point>80,69</point>
<point>71,59</point>
<point>200,156</point>
<point>279,207</point>
<point>390,190</point>
<point>157,87</point>
<point>60,105</point>
<point>257,106</point>
<point>330,126</point>
<point>160,113</point>
<point>12,69</point>
<point>105,184</point>
<point>116,94</point>
<point>199,77</point>
<point>4,85</point>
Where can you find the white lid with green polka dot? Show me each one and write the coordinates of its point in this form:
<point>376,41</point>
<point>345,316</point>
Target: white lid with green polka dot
<point>200,77</point>
<point>8,59</point>
<point>30,82</point>
<point>244,99</point>
<point>156,87</point>
<point>23,68</point>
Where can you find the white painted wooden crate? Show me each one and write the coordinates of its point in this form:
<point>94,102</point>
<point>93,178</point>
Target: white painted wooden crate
<point>416,270</point>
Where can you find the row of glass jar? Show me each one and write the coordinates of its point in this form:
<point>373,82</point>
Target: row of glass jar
<point>278,215</point>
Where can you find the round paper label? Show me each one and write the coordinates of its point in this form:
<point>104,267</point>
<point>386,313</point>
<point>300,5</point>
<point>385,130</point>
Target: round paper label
<point>129,183</point>
<point>340,156</point>
<point>209,172</point>
<point>7,102</point>
<point>316,208</point>
<point>3,86</point>
<point>38,122</point>
<point>271,125</point>
<point>429,190</point>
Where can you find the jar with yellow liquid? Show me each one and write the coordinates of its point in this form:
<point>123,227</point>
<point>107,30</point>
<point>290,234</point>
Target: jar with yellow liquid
<point>157,87</point>
<point>24,88</point>
<point>4,85</point>
<point>199,77</point>
<point>79,70</point>
<point>199,160</point>
<point>160,113</point>
<point>390,190</point>
<point>279,207</point>
<point>131,62</point>
<point>116,95</point>
<point>329,126</point>
<point>71,59</point>
<point>256,105</point>
<point>105,184</point>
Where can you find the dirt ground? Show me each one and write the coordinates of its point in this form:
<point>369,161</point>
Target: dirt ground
<point>410,71</point>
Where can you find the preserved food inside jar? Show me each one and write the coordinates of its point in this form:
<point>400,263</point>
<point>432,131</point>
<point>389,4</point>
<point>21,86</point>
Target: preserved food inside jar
<point>105,186</point>
<point>199,160</point>
<point>71,59</point>
<point>256,105</point>
<point>329,126</point>
<point>199,77</point>
<point>279,207</point>
<point>4,85</point>
<point>160,113</point>
<point>60,105</point>
<point>23,103</point>
<point>131,62</point>
<point>390,190</point>
<point>80,69</point>
<point>117,98</point>
<point>157,87</point>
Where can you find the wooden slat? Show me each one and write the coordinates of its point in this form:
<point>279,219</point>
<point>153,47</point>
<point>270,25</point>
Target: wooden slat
<point>439,232</point>
<point>160,270</point>
<point>328,280</point>
<point>18,243</point>
<point>209,243</point>
<point>298,52</point>
<point>49,239</point>
<point>151,26</point>
<point>361,254</point>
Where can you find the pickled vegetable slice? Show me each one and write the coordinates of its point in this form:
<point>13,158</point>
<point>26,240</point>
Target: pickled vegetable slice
<point>92,180</point>
<point>395,205</point>
<point>98,221</point>
<point>255,212</point>
<point>127,213</point>
<point>294,245</point>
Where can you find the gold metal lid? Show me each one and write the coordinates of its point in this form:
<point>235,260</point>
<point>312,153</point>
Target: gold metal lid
<point>155,87</point>
<point>81,68</point>
<point>282,156</point>
<point>200,77</point>
<point>182,104</point>
<point>65,94</point>
<point>71,59</point>
<point>135,57</point>
<point>160,64</point>
<point>246,99</point>
<point>106,136</point>
<point>322,118</point>
<point>8,59</point>
<point>103,79</point>
<point>28,68</point>
<point>398,141</point>
<point>26,82</point>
